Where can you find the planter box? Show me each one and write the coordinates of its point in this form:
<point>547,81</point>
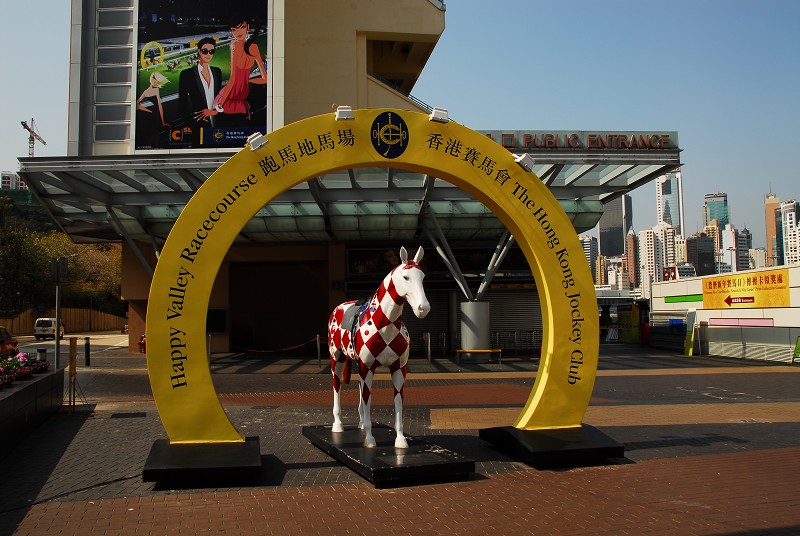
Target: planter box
<point>25,404</point>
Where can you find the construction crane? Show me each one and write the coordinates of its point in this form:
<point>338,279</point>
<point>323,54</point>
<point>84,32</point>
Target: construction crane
<point>33,135</point>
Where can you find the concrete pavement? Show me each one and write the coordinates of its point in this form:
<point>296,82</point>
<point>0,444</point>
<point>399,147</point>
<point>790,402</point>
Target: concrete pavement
<point>712,447</point>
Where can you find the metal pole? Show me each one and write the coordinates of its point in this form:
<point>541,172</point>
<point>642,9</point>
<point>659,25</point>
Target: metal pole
<point>319,353</point>
<point>428,346</point>
<point>86,348</point>
<point>73,371</point>
<point>58,326</point>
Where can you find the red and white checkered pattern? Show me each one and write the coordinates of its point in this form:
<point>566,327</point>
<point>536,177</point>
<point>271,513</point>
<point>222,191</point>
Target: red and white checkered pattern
<point>380,339</point>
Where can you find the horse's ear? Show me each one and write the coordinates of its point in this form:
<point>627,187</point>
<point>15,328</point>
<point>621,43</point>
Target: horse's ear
<point>403,255</point>
<point>418,256</point>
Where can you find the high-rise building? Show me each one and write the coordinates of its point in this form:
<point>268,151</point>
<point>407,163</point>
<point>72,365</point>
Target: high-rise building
<point>790,227</point>
<point>656,250</point>
<point>714,231</point>
<point>771,204</point>
<point>614,224</point>
<point>758,258</point>
<point>715,207</point>
<point>735,250</point>
<point>669,200</point>
<point>632,258</point>
<point>744,243</point>
<point>589,244</point>
<point>701,253</point>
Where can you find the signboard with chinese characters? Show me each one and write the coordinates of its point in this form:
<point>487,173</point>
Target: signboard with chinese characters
<point>747,290</point>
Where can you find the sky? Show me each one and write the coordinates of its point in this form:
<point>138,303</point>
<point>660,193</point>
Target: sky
<point>724,74</point>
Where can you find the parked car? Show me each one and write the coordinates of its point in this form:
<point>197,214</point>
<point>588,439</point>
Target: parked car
<point>8,344</point>
<point>46,328</point>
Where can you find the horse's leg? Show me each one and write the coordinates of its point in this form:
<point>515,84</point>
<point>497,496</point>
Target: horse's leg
<point>365,373</point>
<point>398,380</point>
<point>337,368</point>
<point>360,406</point>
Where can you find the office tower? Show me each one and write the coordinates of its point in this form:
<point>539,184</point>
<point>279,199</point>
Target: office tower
<point>680,249</point>
<point>589,244</point>
<point>669,200</point>
<point>632,258</point>
<point>714,231</point>
<point>700,253</point>
<point>790,217</point>
<point>735,250</point>
<point>617,218</point>
<point>771,204</point>
<point>758,258</point>
<point>656,250</point>
<point>715,207</point>
<point>744,242</point>
<point>601,270</point>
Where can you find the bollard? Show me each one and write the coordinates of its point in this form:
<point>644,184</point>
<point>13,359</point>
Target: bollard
<point>86,348</point>
<point>41,354</point>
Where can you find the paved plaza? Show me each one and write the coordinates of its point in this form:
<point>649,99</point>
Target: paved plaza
<point>712,446</point>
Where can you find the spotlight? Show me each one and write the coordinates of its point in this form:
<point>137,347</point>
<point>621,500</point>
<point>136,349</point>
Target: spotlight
<point>439,115</point>
<point>344,112</point>
<point>256,141</point>
<point>525,161</point>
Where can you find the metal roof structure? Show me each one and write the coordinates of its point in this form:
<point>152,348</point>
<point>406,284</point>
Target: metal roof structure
<point>139,197</point>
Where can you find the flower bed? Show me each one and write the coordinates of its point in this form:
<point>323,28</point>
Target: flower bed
<point>20,367</point>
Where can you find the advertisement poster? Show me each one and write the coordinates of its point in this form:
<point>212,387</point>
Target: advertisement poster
<point>201,73</point>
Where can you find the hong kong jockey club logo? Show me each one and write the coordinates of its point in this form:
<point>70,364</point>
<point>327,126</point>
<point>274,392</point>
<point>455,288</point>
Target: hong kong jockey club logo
<point>389,135</point>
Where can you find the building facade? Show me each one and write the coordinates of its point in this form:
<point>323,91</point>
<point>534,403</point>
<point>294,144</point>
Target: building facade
<point>613,226</point>
<point>126,178</point>
<point>701,253</point>
<point>771,204</point>
<point>669,200</point>
<point>715,207</point>
<point>790,217</point>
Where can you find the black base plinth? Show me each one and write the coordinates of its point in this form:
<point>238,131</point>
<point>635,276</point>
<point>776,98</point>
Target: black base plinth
<point>583,445</point>
<point>384,465</point>
<point>203,463</point>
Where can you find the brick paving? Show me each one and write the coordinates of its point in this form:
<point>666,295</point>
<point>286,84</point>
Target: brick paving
<point>712,447</point>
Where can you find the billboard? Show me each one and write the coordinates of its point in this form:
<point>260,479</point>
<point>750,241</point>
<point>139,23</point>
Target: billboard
<point>201,73</point>
<point>748,290</point>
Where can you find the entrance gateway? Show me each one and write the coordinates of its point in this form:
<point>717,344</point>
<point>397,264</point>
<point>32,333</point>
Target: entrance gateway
<point>177,359</point>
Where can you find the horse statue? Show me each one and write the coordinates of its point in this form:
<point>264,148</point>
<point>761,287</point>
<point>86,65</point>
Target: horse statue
<point>373,334</point>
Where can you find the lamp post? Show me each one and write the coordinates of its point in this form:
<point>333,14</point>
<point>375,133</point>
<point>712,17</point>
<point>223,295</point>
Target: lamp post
<point>59,276</point>
<point>60,266</point>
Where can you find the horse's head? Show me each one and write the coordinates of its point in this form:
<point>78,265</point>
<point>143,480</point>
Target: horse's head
<point>407,280</point>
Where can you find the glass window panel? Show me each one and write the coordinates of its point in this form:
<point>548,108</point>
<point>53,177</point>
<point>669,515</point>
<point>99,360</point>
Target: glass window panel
<point>113,94</point>
<point>113,75</point>
<point>119,112</point>
<point>114,18</point>
<point>113,55</point>
<point>112,132</point>
<point>114,37</point>
<point>114,3</point>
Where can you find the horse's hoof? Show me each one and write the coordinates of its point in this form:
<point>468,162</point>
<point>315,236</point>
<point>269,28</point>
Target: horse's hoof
<point>400,443</point>
<point>337,427</point>
<point>370,443</point>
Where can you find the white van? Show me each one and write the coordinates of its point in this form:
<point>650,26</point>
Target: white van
<point>46,328</point>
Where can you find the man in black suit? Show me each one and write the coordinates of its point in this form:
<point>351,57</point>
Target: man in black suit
<point>197,87</point>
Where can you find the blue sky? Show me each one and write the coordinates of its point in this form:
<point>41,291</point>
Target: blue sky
<point>724,74</point>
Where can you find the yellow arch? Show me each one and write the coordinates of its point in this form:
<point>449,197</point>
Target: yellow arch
<point>144,49</point>
<point>176,359</point>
